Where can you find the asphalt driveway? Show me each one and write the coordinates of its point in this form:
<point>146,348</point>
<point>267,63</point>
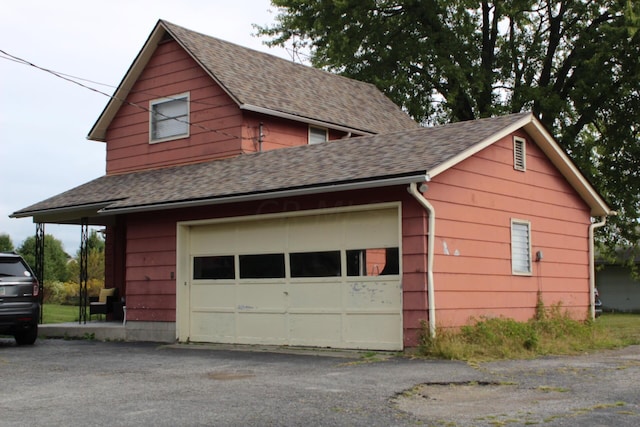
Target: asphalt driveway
<point>91,383</point>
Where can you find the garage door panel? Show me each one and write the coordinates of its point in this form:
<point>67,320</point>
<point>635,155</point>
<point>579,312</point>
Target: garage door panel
<point>261,296</point>
<point>262,328</point>
<point>372,229</point>
<point>323,230</point>
<point>379,330</point>
<point>315,329</point>
<point>373,295</point>
<point>211,296</point>
<point>213,326</point>
<point>323,295</point>
<point>261,236</point>
<point>214,239</point>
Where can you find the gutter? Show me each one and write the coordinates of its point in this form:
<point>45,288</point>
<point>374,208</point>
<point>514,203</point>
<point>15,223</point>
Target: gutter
<point>431,303</point>
<point>327,188</point>
<point>592,268</point>
<point>289,116</point>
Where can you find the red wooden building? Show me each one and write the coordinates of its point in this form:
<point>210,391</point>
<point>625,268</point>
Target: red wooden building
<point>251,200</point>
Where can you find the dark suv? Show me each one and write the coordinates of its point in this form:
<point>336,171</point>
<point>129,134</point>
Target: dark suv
<point>19,304</point>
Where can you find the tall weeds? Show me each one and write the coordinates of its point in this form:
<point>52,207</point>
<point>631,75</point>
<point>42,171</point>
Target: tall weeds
<point>551,331</point>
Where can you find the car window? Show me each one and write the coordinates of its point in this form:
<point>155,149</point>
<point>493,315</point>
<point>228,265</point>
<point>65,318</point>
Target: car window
<point>13,267</point>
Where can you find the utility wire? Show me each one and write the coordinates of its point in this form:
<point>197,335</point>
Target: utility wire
<point>73,79</point>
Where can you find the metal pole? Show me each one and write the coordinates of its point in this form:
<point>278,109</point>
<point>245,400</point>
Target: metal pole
<point>39,267</point>
<point>84,258</point>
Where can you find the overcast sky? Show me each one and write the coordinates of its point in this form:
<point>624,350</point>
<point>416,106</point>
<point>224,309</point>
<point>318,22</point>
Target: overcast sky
<point>44,120</point>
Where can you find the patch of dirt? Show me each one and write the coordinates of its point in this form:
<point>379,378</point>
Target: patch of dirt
<point>473,401</point>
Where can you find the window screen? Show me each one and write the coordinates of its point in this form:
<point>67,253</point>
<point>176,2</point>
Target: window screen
<point>520,247</point>
<point>170,118</point>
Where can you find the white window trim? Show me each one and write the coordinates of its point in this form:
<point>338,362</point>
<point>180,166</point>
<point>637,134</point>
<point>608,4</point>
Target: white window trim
<point>514,270</point>
<point>152,103</point>
<point>326,134</point>
<point>519,145</point>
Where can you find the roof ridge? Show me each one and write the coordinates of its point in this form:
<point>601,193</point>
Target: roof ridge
<point>269,83</point>
<point>270,55</point>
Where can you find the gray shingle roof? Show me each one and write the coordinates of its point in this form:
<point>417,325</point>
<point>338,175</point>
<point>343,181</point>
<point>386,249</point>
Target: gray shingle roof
<point>396,154</point>
<point>262,80</point>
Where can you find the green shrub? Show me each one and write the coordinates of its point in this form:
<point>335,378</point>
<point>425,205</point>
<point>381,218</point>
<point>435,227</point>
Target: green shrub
<point>68,293</point>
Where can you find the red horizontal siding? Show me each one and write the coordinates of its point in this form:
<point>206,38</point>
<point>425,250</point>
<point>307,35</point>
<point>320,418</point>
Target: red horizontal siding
<point>216,119</point>
<point>475,202</point>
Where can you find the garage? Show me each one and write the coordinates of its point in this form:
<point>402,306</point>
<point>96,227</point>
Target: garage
<point>326,278</point>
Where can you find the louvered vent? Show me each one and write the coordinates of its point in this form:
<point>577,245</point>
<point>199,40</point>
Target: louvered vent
<point>519,155</point>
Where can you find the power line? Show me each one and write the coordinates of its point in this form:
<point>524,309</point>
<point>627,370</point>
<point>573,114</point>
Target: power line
<point>74,80</point>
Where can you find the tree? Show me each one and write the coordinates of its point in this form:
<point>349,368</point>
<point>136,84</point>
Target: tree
<point>95,259</point>
<point>55,258</point>
<point>6,245</point>
<point>574,63</point>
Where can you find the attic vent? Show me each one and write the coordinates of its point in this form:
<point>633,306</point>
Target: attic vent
<point>519,154</point>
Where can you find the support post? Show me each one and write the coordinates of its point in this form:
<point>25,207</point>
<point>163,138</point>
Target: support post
<point>39,267</point>
<point>84,258</point>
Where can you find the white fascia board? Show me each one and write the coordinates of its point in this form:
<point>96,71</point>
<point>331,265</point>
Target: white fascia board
<point>565,165</point>
<point>330,188</point>
<point>480,146</point>
<point>99,129</point>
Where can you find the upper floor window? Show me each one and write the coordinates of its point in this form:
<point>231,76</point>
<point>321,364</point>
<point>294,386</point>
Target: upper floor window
<point>520,247</point>
<point>169,118</point>
<point>318,135</point>
<point>519,154</point>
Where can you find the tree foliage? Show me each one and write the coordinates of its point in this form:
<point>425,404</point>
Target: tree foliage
<point>6,245</point>
<point>95,260</point>
<point>55,258</point>
<point>574,63</point>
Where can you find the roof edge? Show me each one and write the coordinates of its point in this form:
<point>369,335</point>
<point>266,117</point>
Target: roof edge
<point>99,129</point>
<point>547,143</point>
<point>283,115</point>
<point>481,145</point>
<point>292,192</point>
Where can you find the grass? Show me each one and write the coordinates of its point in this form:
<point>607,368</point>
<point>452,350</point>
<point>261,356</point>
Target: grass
<point>55,313</point>
<point>552,333</point>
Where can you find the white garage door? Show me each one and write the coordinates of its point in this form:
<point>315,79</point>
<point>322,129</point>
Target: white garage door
<point>323,280</point>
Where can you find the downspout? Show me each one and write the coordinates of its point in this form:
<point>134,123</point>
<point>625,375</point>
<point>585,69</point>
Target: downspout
<point>431,303</point>
<point>592,266</point>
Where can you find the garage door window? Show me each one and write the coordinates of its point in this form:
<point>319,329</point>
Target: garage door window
<point>315,264</point>
<point>214,267</point>
<point>263,266</point>
<point>373,262</point>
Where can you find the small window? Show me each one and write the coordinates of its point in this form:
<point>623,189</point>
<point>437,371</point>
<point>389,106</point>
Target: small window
<point>315,264</point>
<point>169,118</point>
<point>263,266</point>
<point>317,135</point>
<point>519,154</point>
<point>520,247</point>
<point>214,267</point>
<point>372,262</point>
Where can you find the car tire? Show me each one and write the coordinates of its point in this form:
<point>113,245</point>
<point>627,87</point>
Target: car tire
<point>27,336</point>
